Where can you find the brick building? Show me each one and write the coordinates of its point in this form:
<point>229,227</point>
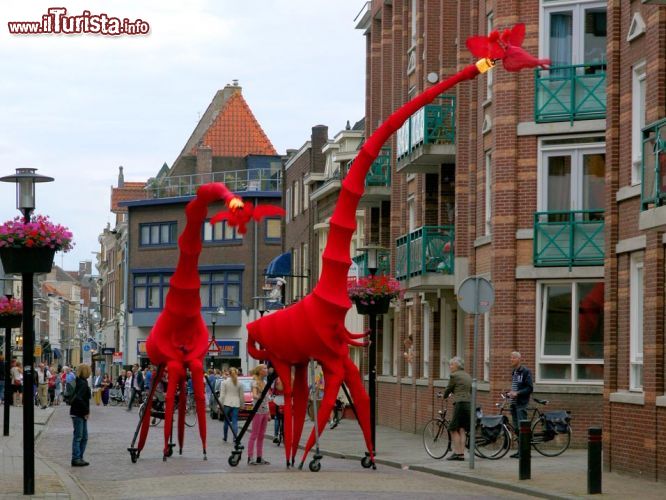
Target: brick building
<point>227,145</point>
<point>548,184</point>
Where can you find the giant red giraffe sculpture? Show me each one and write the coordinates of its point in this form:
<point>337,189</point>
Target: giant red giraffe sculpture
<point>179,338</point>
<point>313,328</point>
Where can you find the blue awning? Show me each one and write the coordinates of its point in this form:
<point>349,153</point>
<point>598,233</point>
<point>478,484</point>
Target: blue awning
<point>56,353</point>
<point>279,266</point>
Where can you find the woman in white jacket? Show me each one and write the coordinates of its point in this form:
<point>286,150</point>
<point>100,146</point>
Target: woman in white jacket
<point>232,397</point>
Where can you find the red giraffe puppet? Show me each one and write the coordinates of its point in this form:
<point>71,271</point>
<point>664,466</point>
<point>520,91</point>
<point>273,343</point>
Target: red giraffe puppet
<point>179,339</point>
<point>314,327</point>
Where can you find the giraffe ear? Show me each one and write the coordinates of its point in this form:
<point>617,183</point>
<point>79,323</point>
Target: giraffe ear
<point>517,35</point>
<point>478,46</point>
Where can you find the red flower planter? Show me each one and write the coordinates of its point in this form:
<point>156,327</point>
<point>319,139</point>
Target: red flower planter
<point>380,306</point>
<point>27,260</point>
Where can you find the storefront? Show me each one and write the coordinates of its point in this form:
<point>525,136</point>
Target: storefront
<point>227,356</point>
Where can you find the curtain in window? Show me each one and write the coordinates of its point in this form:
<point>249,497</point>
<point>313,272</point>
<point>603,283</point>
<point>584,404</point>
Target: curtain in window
<point>561,30</point>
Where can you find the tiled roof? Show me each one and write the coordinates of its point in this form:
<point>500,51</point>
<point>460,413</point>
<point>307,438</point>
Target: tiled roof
<point>235,132</point>
<point>131,191</point>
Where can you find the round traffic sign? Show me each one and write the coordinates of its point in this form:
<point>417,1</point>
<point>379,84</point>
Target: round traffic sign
<point>476,295</point>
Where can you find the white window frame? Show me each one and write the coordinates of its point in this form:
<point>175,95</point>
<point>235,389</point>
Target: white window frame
<point>576,150</point>
<point>305,268</point>
<point>388,355</point>
<point>411,214</point>
<point>287,205</point>
<point>488,193</point>
<point>410,323</point>
<point>636,339</point>
<point>306,196</point>
<point>445,338</point>
<point>297,198</point>
<point>572,359</point>
<point>638,110</point>
<point>427,323</point>
<point>577,41</point>
<point>296,264</point>
<point>413,27</point>
<point>486,347</point>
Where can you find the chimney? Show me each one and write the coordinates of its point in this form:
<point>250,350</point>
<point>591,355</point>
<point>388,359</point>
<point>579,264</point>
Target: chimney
<point>204,159</point>
<point>121,177</point>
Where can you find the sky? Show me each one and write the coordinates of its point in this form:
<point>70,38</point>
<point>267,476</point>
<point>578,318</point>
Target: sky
<point>76,107</point>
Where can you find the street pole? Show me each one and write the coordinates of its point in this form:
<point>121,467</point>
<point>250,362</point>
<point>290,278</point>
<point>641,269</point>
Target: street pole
<point>28,383</point>
<point>8,387</point>
<point>372,377</point>
<point>472,427</point>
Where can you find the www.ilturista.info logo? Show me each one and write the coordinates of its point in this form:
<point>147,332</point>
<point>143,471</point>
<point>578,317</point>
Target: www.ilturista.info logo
<point>57,22</point>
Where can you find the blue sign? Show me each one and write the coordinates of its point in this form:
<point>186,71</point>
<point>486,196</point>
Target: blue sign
<point>229,348</point>
<point>86,347</point>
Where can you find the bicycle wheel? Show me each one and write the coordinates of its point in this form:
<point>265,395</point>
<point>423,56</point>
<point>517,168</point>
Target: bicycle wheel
<point>492,447</point>
<point>436,438</point>
<point>190,413</point>
<point>549,443</point>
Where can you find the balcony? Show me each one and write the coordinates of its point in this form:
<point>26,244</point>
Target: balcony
<point>570,93</point>
<point>239,181</point>
<point>378,180</point>
<point>424,257</point>
<point>427,139</point>
<point>383,264</point>
<point>653,189</point>
<point>569,238</point>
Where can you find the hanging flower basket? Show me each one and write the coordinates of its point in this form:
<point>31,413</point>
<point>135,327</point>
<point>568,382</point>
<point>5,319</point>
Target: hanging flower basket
<point>373,294</point>
<point>30,247</point>
<point>11,312</point>
<point>11,321</point>
<point>376,305</point>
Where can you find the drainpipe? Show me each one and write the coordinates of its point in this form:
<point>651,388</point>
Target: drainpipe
<point>255,247</point>
<point>126,294</point>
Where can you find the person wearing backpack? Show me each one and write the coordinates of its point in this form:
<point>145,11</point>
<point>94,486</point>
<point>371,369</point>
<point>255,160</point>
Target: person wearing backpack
<point>70,384</point>
<point>80,411</point>
<point>521,390</point>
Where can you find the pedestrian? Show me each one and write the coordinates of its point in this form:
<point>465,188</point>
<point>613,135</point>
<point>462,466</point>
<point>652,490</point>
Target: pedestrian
<point>16,373</point>
<point>137,386</point>
<point>97,387</point>
<point>42,381</point>
<point>53,377</point>
<point>80,411</point>
<point>277,393</point>
<point>521,390</point>
<point>106,386</point>
<point>147,377</point>
<point>58,386</point>
<point>460,385</point>
<point>128,385</point>
<point>260,418</point>
<point>231,397</point>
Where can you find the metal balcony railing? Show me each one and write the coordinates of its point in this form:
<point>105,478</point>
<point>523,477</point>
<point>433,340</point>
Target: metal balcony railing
<point>569,238</point>
<point>238,181</point>
<point>380,170</point>
<point>428,249</point>
<point>383,264</point>
<point>653,169</point>
<point>569,93</point>
<point>432,124</point>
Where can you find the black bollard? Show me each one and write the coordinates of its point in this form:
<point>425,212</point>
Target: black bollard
<point>524,445</point>
<point>594,460</point>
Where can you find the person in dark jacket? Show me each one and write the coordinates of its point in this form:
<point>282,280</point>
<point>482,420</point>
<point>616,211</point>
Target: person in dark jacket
<point>137,386</point>
<point>79,411</point>
<point>521,390</point>
<point>460,385</point>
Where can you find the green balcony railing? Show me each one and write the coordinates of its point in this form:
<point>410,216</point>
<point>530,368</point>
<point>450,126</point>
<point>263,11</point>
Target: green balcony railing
<point>380,170</point>
<point>569,238</point>
<point>383,263</point>
<point>569,93</point>
<point>653,183</point>
<point>432,124</point>
<point>256,179</point>
<point>428,249</point>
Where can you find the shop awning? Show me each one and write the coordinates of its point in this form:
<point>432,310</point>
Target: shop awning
<point>279,266</point>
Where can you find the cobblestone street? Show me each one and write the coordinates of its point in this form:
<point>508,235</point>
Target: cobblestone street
<point>112,475</point>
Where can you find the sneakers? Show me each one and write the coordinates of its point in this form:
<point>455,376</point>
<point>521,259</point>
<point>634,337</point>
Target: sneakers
<point>276,440</point>
<point>261,461</point>
<point>79,463</point>
<point>456,458</point>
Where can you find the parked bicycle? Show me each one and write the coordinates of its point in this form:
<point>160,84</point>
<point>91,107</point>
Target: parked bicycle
<point>117,396</point>
<point>490,440</point>
<point>337,414</point>
<point>551,431</point>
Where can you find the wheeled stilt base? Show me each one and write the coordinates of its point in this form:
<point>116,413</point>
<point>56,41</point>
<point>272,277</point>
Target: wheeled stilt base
<point>367,462</point>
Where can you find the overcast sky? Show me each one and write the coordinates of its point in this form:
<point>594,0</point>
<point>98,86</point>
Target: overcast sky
<point>76,107</point>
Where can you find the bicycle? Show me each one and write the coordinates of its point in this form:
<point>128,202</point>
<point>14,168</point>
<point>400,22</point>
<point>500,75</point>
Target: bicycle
<point>491,435</point>
<point>337,414</point>
<point>551,432</point>
<point>117,396</point>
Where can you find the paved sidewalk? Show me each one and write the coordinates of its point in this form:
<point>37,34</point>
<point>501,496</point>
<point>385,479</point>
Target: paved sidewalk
<point>48,480</point>
<point>552,477</point>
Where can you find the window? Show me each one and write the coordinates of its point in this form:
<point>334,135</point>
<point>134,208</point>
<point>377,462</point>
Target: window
<point>296,198</point>
<point>488,189</point>
<point>636,322</point>
<point>273,230</point>
<point>489,74</point>
<point>306,196</point>
<point>296,269</point>
<point>411,214</point>
<point>486,347</point>
<point>412,26</point>
<point>154,234</point>
<point>446,332</point>
<point>426,341</point>
<point>637,120</point>
<point>305,268</point>
<point>287,205</point>
<point>220,232</point>
<point>150,290</point>
<point>571,332</point>
<point>574,33</point>
<point>572,175</point>
<point>323,238</point>
<point>220,287</point>
<point>387,346</point>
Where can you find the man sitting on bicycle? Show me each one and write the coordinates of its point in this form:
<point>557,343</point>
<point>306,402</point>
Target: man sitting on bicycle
<point>521,390</point>
<point>460,385</point>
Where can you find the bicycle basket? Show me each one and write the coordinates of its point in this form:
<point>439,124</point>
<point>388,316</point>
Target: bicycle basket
<point>557,421</point>
<point>491,427</point>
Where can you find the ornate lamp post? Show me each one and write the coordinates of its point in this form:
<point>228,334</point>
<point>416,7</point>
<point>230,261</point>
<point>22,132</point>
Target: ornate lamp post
<point>25,179</point>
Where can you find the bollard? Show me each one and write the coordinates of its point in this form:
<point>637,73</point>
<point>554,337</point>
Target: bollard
<point>524,444</point>
<point>594,460</point>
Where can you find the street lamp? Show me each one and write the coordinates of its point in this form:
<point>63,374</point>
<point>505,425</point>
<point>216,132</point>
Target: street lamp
<point>372,260</point>
<point>25,179</point>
